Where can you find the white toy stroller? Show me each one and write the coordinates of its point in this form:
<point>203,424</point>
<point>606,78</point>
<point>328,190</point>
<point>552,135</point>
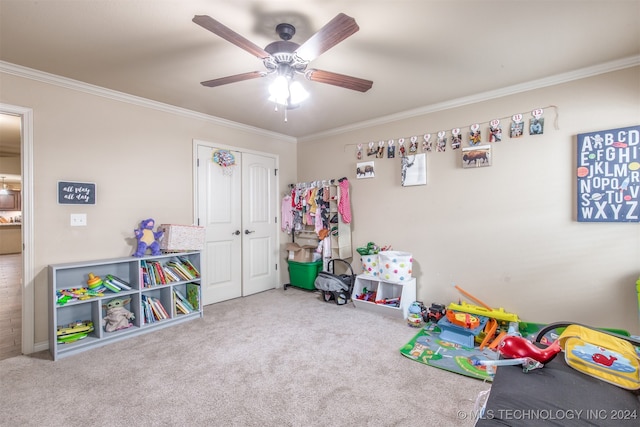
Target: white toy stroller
<point>333,286</point>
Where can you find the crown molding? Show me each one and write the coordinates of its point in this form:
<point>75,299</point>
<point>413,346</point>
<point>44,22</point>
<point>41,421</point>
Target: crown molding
<point>65,82</point>
<point>44,77</point>
<point>595,70</point>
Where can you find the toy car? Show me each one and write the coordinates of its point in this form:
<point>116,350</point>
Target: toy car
<point>434,313</point>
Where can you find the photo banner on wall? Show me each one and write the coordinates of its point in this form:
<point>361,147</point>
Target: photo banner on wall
<point>608,171</point>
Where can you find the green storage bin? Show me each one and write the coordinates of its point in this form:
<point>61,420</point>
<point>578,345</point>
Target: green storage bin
<point>303,274</point>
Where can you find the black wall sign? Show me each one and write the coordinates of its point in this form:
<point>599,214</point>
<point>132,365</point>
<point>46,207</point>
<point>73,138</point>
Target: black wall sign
<point>76,193</point>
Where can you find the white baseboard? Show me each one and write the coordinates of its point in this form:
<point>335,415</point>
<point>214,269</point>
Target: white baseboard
<point>41,346</point>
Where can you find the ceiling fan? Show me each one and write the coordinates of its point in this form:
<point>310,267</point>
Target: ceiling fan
<point>286,58</point>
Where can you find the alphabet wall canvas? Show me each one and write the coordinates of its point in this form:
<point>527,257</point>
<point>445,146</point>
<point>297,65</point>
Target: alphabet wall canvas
<point>608,173</point>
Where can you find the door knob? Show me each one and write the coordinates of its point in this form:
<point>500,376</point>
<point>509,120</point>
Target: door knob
<point>249,232</point>
<point>236,233</point>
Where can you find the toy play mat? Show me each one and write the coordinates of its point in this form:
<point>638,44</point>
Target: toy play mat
<point>427,348</point>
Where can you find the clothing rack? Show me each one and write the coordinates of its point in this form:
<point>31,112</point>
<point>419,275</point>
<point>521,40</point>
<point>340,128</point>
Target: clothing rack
<point>317,218</point>
<point>318,183</point>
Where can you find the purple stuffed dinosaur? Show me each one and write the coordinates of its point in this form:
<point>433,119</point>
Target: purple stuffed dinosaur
<point>147,238</point>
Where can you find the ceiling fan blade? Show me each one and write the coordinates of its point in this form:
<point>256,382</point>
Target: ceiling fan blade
<point>229,35</point>
<point>347,82</point>
<point>233,79</point>
<point>336,30</point>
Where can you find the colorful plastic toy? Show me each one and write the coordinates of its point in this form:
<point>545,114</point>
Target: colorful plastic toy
<point>94,281</point>
<point>74,331</point>
<point>464,320</point>
<point>482,309</point>
<point>434,313</point>
<point>514,347</point>
<point>414,318</point>
<point>528,364</point>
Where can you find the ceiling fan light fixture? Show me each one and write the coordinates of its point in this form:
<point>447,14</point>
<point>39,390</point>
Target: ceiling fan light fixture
<point>279,89</point>
<point>287,93</point>
<point>298,93</point>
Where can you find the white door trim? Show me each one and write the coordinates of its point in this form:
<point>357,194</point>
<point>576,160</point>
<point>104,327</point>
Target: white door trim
<point>28,293</point>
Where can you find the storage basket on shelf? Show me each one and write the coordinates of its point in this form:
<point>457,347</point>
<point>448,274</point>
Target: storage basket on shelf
<point>181,238</point>
<point>370,264</point>
<point>395,266</point>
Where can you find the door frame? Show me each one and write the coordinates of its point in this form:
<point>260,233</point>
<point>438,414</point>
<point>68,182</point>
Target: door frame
<point>211,144</point>
<point>26,155</point>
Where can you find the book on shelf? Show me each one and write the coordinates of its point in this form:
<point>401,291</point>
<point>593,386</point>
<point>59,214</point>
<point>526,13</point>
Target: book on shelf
<point>180,298</point>
<point>170,275</point>
<point>153,309</point>
<point>111,285</point>
<point>193,295</point>
<point>122,284</point>
<point>162,309</point>
<point>180,270</point>
<point>145,278</point>
<point>155,271</point>
<point>181,307</point>
<point>156,305</point>
<point>189,266</point>
<point>146,309</point>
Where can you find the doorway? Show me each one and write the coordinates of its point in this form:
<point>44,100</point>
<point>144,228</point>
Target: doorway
<point>16,143</point>
<point>235,200</point>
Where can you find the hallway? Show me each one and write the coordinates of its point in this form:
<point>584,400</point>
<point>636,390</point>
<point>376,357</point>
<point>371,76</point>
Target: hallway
<point>11,305</point>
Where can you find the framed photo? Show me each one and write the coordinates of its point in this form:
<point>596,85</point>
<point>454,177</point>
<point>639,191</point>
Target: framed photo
<point>476,157</point>
<point>414,170</point>
<point>365,170</point>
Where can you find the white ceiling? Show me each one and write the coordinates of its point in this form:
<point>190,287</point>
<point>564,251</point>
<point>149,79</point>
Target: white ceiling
<point>418,53</point>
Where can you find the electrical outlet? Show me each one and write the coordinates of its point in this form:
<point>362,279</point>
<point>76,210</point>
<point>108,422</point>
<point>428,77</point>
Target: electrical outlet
<point>78,220</point>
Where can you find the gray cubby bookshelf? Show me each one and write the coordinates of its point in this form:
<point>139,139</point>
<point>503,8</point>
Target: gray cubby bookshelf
<point>75,275</point>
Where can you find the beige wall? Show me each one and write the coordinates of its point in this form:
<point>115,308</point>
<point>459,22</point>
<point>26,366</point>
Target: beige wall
<point>506,233</point>
<point>140,159</point>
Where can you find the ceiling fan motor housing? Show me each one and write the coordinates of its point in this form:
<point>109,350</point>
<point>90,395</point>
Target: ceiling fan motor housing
<point>285,31</point>
<point>283,54</point>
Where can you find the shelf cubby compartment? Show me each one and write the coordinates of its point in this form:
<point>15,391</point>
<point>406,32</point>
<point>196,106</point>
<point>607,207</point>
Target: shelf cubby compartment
<point>152,304</point>
<point>192,293</point>
<point>133,306</point>
<point>71,315</point>
<point>161,271</point>
<point>77,276</point>
<point>385,290</point>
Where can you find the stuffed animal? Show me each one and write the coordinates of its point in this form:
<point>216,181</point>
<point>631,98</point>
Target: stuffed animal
<point>147,238</point>
<point>117,315</point>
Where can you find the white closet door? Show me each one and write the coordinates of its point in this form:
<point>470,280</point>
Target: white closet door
<point>259,222</point>
<point>219,207</point>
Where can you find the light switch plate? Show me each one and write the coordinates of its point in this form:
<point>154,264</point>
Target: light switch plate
<point>78,220</point>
